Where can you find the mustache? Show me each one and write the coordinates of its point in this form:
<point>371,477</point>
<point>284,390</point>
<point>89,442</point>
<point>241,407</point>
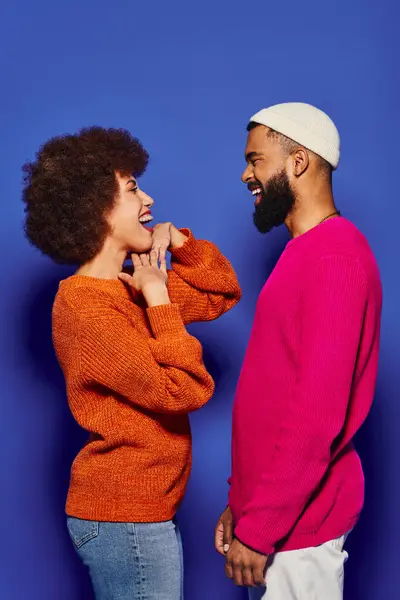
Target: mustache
<point>253,185</point>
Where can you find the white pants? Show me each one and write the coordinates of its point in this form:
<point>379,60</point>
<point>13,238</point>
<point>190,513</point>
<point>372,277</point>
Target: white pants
<point>309,574</point>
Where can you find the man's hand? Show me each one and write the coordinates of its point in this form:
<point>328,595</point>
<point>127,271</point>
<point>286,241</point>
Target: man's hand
<point>224,532</point>
<point>245,566</point>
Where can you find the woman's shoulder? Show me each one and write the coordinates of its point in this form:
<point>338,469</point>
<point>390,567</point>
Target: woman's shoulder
<point>89,297</point>
<point>81,295</point>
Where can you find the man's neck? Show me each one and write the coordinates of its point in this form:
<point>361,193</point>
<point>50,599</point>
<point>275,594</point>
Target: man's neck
<point>312,207</point>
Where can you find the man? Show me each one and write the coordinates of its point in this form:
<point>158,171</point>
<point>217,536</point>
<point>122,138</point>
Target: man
<point>308,378</point>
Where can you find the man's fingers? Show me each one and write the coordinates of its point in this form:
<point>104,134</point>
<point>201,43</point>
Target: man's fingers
<point>237,575</point>
<point>248,579</point>
<point>228,532</point>
<point>245,575</point>
<point>219,538</point>
<point>259,576</point>
<point>228,569</point>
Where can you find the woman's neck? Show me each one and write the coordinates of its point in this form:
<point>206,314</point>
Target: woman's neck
<point>107,264</point>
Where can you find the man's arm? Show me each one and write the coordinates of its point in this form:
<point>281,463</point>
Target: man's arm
<point>331,314</point>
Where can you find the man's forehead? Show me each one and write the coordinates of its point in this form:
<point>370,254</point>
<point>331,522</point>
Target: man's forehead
<point>258,140</point>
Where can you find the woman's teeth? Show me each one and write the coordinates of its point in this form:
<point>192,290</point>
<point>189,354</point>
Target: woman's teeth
<point>145,219</point>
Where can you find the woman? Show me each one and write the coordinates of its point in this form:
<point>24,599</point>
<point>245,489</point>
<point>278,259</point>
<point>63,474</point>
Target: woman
<point>132,371</point>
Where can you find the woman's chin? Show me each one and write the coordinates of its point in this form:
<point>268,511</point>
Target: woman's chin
<point>141,248</point>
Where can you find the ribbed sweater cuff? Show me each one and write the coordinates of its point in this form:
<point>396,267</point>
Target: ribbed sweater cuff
<point>190,254</point>
<point>253,537</point>
<point>166,319</point>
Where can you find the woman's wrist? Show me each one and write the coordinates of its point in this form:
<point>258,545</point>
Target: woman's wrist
<point>156,295</point>
<point>178,238</point>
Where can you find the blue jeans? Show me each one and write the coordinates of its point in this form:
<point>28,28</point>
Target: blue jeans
<point>130,561</point>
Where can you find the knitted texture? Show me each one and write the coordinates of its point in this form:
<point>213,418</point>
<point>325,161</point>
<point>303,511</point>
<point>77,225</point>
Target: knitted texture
<point>132,375</point>
<point>306,387</point>
<point>306,125</point>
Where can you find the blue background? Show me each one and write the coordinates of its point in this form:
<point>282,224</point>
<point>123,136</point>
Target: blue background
<point>185,77</point>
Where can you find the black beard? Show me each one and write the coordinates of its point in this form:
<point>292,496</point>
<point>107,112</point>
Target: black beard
<point>276,203</point>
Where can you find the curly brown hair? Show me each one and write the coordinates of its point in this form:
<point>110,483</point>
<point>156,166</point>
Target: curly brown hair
<point>71,187</point>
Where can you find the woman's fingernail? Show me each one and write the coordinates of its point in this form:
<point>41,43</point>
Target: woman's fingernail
<point>226,547</point>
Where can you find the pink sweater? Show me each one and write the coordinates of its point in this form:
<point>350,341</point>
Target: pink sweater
<point>306,386</point>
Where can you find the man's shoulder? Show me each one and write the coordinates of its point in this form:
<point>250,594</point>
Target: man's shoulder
<point>341,237</point>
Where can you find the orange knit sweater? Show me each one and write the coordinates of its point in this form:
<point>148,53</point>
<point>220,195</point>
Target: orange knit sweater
<point>132,375</point>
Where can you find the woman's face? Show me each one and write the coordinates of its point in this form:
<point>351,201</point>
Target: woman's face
<point>130,217</point>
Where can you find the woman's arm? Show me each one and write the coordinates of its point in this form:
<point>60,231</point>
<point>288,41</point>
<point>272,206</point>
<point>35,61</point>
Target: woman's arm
<point>98,346</point>
<point>202,281</point>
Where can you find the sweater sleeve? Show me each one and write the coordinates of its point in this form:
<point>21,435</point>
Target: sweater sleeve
<point>202,281</point>
<point>331,317</point>
<point>164,373</point>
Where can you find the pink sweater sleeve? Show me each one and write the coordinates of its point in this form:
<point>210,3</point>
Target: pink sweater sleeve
<point>331,316</point>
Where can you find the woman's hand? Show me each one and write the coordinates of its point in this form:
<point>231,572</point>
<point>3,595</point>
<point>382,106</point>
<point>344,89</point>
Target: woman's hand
<point>166,236</point>
<point>161,243</point>
<point>148,278</point>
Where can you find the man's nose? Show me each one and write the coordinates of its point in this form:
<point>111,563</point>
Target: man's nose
<point>247,174</point>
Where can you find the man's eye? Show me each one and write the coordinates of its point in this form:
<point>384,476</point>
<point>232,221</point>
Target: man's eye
<point>134,190</point>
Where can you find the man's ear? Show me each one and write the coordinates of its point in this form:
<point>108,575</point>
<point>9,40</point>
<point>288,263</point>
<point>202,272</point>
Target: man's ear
<point>300,161</point>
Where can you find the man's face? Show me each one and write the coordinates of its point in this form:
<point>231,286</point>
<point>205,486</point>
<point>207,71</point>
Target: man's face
<point>267,179</point>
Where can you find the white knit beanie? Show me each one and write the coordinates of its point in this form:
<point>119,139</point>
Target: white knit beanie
<point>304,124</point>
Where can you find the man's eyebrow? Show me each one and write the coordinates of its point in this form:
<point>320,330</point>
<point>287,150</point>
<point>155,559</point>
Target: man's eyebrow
<point>251,155</point>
